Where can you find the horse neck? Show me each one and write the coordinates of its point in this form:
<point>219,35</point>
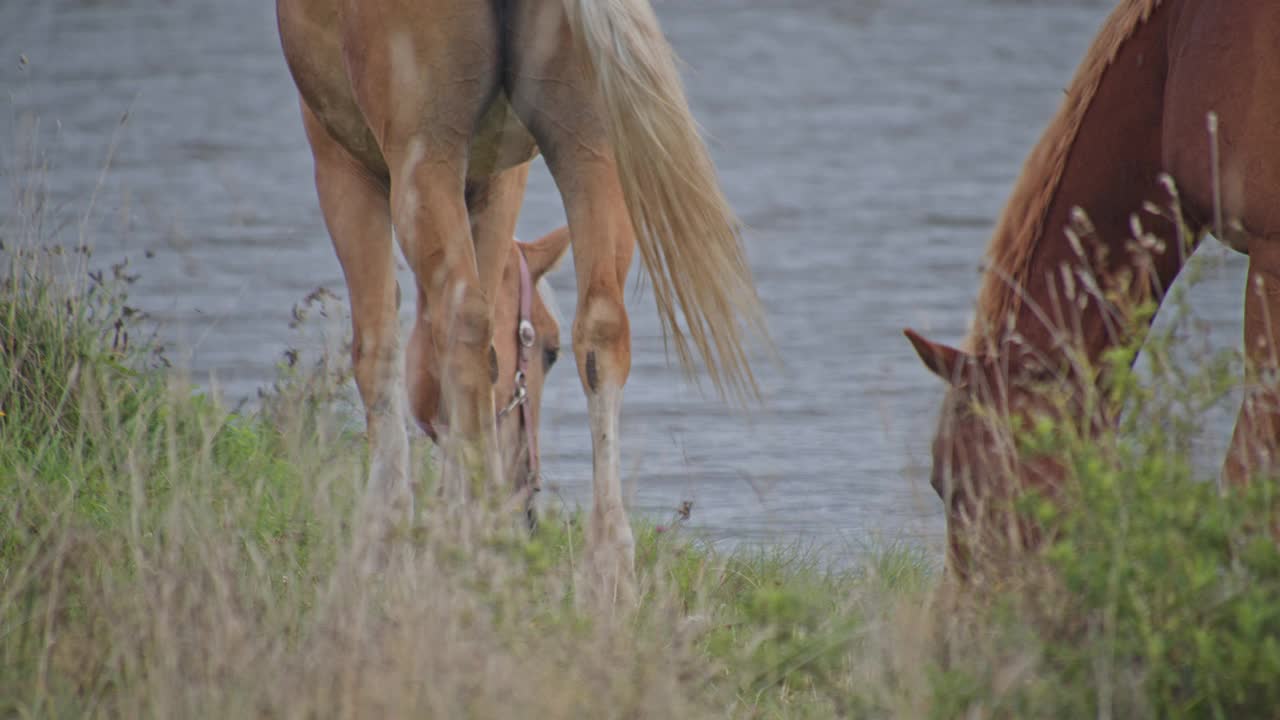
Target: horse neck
<point>1112,174</point>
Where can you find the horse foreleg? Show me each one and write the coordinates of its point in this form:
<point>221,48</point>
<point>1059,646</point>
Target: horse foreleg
<point>422,74</point>
<point>434,231</point>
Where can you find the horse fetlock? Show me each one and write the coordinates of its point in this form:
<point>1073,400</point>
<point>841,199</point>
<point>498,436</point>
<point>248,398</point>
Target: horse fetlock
<point>614,558</point>
<point>467,468</point>
<point>612,568</point>
<point>611,527</point>
<point>390,494</point>
<point>476,464</point>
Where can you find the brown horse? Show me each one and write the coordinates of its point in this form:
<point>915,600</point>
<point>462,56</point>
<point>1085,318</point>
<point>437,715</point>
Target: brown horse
<point>423,116</point>
<point>1170,128</point>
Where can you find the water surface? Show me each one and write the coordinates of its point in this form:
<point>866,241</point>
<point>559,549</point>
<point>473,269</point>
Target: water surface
<point>868,145</point>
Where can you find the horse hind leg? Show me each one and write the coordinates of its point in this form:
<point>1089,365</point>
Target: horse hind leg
<point>556,99</point>
<point>356,212</point>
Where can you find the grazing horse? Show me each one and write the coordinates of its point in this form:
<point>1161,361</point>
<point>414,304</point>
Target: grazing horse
<point>423,116</point>
<point>1170,129</point>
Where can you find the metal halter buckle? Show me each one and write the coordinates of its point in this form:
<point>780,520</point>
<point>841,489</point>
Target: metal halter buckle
<point>518,398</point>
<point>526,333</point>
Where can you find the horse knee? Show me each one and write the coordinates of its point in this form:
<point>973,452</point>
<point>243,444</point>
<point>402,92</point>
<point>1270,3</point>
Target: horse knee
<point>372,354</point>
<point>463,337</point>
<point>464,319</point>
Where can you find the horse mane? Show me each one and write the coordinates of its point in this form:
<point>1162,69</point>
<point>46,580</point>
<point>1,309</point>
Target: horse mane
<point>1021,227</point>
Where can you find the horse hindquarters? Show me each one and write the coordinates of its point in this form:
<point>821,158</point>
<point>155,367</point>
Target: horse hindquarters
<point>311,40</point>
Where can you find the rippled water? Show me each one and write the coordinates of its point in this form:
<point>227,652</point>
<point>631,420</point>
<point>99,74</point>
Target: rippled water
<point>869,145</point>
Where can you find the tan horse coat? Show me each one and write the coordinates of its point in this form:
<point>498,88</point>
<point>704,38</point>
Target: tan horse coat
<point>423,115</point>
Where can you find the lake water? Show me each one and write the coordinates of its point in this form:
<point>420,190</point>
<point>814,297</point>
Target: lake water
<point>868,144</point>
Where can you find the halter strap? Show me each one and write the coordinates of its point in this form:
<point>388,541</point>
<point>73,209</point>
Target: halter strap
<point>526,337</point>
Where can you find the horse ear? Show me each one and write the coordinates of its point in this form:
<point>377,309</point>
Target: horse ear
<point>946,362</point>
<point>545,253</point>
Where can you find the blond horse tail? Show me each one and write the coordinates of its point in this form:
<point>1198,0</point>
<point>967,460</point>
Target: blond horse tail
<point>690,241</point>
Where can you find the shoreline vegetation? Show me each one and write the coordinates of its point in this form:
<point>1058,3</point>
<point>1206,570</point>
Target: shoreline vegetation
<point>163,556</point>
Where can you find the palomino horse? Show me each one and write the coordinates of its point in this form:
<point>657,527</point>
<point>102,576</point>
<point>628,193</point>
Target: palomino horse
<point>1174,106</point>
<point>423,116</point>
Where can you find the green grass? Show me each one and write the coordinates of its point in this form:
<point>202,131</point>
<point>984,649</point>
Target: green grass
<point>162,556</point>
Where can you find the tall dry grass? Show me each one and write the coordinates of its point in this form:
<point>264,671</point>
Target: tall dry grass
<point>163,556</point>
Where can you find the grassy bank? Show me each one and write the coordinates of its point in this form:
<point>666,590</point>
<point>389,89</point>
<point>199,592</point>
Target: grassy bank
<point>161,556</point>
